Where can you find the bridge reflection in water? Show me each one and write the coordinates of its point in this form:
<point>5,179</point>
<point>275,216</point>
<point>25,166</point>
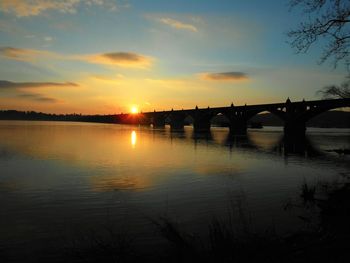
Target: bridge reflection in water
<point>293,114</point>
<point>284,145</point>
<point>276,143</point>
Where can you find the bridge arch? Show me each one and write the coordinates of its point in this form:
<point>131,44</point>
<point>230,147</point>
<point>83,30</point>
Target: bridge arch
<point>278,112</point>
<point>294,114</point>
<point>178,119</point>
<point>312,112</point>
<point>219,119</point>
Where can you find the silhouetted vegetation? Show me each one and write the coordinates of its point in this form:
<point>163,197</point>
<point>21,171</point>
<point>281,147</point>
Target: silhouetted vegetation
<point>327,24</point>
<point>341,91</point>
<point>40,116</point>
<point>308,193</point>
<point>108,245</point>
<point>325,240</point>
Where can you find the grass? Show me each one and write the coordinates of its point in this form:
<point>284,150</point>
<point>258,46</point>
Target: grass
<point>102,246</point>
<point>308,193</point>
<point>232,239</point>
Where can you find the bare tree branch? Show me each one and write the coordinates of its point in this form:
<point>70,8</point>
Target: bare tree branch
<point>328,23</point>
<point>342,91</point>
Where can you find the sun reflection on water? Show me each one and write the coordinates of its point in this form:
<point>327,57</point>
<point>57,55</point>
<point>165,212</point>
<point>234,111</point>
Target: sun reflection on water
<point>133,139</point>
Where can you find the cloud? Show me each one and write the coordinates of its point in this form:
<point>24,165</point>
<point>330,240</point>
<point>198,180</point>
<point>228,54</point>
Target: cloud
<point>122,59</point>
<point>22,8</point>
<point>225,76</point>
<point>37,97</point>
<point>20,89</point>
<point>4,84</point>
<point>25,8</point>
<point>107,78</point>
<point>25,54</point>
<point>178,24</point>
<point>48,38</point>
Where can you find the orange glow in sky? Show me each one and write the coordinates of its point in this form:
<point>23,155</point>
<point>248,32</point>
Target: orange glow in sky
<point>185,59</point>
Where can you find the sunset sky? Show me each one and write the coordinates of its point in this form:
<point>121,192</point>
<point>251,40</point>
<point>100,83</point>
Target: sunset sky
<point>105,56</point>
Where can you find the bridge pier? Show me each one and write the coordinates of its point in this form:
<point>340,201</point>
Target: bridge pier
<point>238,126</point>
<point>201,125</point>
<point>295,119</point>
<point>177,125</point>
<point>201,120</point>
<point>158,121</point>
<point>144,120</point>
<point>294,129</point>
<point>177,121</point>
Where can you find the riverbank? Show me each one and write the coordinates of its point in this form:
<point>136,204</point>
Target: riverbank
<point>325,237</point>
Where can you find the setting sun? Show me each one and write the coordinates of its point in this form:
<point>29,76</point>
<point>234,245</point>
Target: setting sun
<point>134,110</point>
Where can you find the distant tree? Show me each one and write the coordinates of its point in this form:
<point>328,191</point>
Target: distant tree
<point>328,24</point>
<point>341,92</point>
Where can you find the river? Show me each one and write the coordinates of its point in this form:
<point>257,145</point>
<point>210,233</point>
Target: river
<point>61,179</point>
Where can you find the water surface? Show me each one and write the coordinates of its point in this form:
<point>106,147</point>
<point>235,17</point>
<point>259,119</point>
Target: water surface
<point>57,178</point>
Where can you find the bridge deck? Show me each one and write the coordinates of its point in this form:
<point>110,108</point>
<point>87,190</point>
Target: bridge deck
<point>340,102</point>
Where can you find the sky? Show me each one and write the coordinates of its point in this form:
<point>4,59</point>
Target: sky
<point>107,56</point>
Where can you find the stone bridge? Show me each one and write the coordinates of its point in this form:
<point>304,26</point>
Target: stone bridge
<point>293,114</point>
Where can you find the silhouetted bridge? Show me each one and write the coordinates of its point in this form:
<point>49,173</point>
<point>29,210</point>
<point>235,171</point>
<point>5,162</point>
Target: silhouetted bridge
<point>293,114</point>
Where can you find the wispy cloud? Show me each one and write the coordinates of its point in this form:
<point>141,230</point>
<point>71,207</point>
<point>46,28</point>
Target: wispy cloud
<point>48,39</point>
<point>4,84</point>
<point>121,59</point>
<point>37,97</point>
<point>25,8</point>
<point>25,54</point>
<point>23,90</point>
<point>225,76</point>
<point>178,24</point>
<point>107,78</point>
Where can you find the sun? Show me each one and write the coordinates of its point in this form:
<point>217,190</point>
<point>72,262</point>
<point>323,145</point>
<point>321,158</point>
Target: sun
<point>134,110</point>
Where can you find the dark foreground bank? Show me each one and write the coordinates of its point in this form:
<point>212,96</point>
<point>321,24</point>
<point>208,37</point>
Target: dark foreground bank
<point>324,238</point>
